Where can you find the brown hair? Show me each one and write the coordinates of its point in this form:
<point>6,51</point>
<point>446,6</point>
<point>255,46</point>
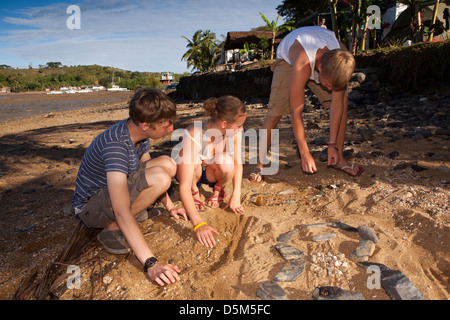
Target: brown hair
<point>227,108</point>
<point>149,105</point>
<point>338,66</point>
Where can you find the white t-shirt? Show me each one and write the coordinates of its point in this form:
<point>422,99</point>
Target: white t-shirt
<point>312,39</point>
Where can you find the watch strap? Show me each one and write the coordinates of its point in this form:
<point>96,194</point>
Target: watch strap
<point>150,262</point>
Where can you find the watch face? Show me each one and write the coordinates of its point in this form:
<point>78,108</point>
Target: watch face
<point>150,262</point>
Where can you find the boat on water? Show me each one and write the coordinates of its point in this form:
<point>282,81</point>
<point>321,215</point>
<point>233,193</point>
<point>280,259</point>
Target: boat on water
<point>117,88</point>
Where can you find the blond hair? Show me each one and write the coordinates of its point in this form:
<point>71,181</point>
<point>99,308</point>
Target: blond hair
<point>337,67</point>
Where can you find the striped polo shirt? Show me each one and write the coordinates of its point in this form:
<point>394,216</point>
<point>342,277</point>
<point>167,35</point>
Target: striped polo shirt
<point>112,150</point>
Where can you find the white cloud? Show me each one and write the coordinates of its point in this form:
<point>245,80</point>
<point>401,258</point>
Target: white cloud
<point>144,35</point>
<point>135,54</point>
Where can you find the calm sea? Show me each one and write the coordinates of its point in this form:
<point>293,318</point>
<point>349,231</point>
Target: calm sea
<point>22,105</point>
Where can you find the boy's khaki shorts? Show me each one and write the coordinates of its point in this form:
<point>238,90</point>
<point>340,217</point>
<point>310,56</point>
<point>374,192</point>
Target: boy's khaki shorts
<point>279,92</point>
<point>99,213</point>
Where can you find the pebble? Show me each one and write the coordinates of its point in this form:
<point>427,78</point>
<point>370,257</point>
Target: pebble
<point>270,290</point>
<point>366,133</point>
<point>366,264</point>
<point>286,237</point>
<point>367,233</point>
<point>363,251</point>
<point>317,225</point>
<point>393,155</point>
<point>339,225</point>
<point>399,287</point>
<point>335,293</point>
<point>285,192</point>
<point>323,237</point>
<point>344,226</point>
<point>289,252</point>
<point>291,270</point>
<point>107,280</point>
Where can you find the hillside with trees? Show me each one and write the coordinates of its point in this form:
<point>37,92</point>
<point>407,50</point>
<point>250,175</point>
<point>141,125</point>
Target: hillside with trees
<point>54,76</point>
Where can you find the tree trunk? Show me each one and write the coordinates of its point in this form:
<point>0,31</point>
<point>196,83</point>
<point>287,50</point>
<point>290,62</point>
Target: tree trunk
<point>363,44</point>
<point>355,27</point>
<point>332,5</point>
<point>273,46</point>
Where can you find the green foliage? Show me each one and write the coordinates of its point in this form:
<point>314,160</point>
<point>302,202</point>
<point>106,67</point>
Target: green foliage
<point>273,26</point>
<point>54,64</point>
<point>298,9</point>
<point>204,50</point>
<point>54,78</point>
<point>260,51</point>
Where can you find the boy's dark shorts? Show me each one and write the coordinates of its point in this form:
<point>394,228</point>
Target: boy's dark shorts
<point>98,212</point>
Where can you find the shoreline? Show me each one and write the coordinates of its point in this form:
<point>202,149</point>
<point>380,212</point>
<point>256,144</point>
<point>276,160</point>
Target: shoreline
<point>17,105</point>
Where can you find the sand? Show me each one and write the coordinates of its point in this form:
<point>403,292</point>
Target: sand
<point>408,210</point>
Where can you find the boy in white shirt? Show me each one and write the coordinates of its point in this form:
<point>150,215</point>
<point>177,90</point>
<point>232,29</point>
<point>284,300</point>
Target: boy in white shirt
<point>313,57</point>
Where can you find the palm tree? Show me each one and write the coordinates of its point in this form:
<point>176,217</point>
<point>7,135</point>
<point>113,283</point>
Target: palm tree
<point>275,29</point>
<point>194,49</point>
<point>203,51</point>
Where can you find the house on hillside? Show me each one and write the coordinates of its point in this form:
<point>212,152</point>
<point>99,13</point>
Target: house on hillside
<point>5,90</point>
<point>166,78</point>
<point>236,40</point>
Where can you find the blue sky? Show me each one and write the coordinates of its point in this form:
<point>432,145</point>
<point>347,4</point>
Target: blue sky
<point>137,35</point>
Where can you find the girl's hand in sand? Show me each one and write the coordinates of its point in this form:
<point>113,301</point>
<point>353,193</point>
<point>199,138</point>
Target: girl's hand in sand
<point>164,273</point>
<point>205,235</point>
<point>235,206</point>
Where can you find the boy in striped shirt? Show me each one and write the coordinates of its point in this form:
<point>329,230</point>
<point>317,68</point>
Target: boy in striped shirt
<point>117,180</point>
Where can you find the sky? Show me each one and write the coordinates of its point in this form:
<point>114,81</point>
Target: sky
<point>135,35</point>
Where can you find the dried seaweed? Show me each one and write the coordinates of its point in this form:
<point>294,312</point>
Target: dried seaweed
<point>81,236</point>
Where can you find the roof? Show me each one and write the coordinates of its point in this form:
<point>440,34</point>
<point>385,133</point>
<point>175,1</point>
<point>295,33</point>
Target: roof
<point>236,40</point>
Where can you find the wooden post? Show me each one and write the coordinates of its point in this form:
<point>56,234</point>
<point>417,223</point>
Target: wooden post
<point>436,7</point>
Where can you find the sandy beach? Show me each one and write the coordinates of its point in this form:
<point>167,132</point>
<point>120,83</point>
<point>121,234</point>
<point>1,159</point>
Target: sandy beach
<point>402,196</point>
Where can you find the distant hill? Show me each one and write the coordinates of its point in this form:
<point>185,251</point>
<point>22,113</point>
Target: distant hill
<point>20,80</point>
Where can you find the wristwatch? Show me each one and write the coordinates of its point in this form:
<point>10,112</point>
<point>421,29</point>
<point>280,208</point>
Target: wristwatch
<point>150,262</point>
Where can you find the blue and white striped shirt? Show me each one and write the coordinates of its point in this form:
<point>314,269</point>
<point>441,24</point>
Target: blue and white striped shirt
<point>112,150</point>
